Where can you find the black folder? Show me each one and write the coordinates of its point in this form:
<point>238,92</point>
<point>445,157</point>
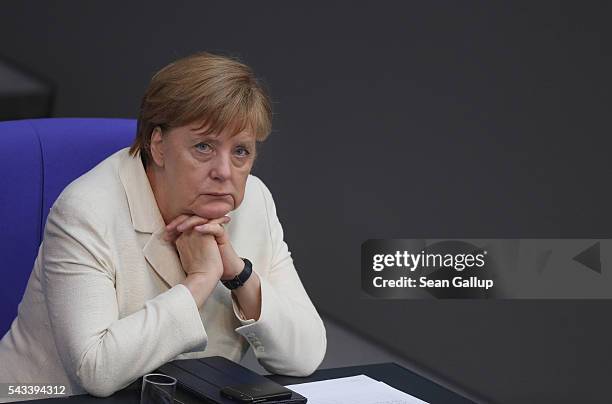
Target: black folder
<point>204,378</point>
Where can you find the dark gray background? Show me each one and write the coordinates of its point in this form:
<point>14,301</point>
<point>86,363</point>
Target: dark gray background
<point>394,120</point>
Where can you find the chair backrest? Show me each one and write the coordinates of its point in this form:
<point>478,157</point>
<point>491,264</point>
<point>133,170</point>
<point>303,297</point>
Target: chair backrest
<point>38,158</point>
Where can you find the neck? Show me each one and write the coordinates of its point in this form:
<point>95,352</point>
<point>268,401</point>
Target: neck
<point>158,191</point>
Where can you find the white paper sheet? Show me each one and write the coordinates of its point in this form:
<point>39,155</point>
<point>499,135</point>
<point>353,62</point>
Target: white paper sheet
<point>359,389</point>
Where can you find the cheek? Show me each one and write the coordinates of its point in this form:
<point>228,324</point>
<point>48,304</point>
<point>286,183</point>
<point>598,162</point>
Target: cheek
<point>240,185</point>
<point>188,180</point>
<point>197,181</point>
<point>177,165</point>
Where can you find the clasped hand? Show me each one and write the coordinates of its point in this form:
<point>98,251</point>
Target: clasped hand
<point>203,246</point>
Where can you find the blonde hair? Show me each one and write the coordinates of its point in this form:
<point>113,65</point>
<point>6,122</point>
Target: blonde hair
<point>218,90</point>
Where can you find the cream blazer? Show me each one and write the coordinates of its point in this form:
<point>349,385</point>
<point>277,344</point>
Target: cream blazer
<point>104,304</point>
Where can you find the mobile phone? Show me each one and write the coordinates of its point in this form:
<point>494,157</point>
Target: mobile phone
<point>256,393</point>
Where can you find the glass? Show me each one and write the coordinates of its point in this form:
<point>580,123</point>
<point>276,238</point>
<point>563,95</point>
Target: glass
<point>157,389</point>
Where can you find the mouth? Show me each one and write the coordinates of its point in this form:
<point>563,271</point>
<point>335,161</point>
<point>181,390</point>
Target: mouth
<point>218,194</point>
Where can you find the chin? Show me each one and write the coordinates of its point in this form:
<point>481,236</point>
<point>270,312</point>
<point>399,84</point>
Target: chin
<point>213,210</point>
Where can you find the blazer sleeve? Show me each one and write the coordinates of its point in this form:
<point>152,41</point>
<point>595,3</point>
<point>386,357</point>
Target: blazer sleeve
<point>289,337</point>
<point>100,351</point>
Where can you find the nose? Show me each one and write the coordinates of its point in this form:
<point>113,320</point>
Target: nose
<point>221,168</point>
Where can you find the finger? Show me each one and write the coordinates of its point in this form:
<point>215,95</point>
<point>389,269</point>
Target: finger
<point>221,220</point>
<point>172,235</point>
<point>171,231</point>
<point>215,229</point>
<point>218,221</point>
<point>177,220</point>
<point>190,222</point>
<point>185,222</point>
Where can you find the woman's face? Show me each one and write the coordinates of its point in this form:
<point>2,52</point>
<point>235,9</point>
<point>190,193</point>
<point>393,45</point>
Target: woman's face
<point>201,175</point>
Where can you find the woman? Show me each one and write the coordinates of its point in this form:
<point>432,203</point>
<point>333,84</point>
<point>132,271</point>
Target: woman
<point>168,250</point>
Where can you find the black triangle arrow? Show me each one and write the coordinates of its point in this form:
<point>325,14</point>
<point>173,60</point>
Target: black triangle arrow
<point>590,258</point>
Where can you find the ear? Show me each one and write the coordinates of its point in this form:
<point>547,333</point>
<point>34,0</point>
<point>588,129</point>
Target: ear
<point>157,146</point>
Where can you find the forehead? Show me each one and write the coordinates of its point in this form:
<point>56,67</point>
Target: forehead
<point>197,130</point>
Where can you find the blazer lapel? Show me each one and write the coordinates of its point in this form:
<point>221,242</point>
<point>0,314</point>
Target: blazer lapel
<point>147,219</point>
<point>164,258</point>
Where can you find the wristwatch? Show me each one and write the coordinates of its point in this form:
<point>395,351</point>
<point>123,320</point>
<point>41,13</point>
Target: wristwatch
<point>241,278</point>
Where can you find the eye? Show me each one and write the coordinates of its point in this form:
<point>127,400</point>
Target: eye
<point>203,147</point>
<point>242,151</point>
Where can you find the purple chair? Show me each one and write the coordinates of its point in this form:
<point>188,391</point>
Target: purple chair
<point>38,158</point>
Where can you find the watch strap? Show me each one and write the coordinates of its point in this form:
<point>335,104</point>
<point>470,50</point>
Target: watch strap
<point>241,278</point>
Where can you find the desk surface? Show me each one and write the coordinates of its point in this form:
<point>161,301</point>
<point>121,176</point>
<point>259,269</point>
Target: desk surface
<point>390,373</point>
